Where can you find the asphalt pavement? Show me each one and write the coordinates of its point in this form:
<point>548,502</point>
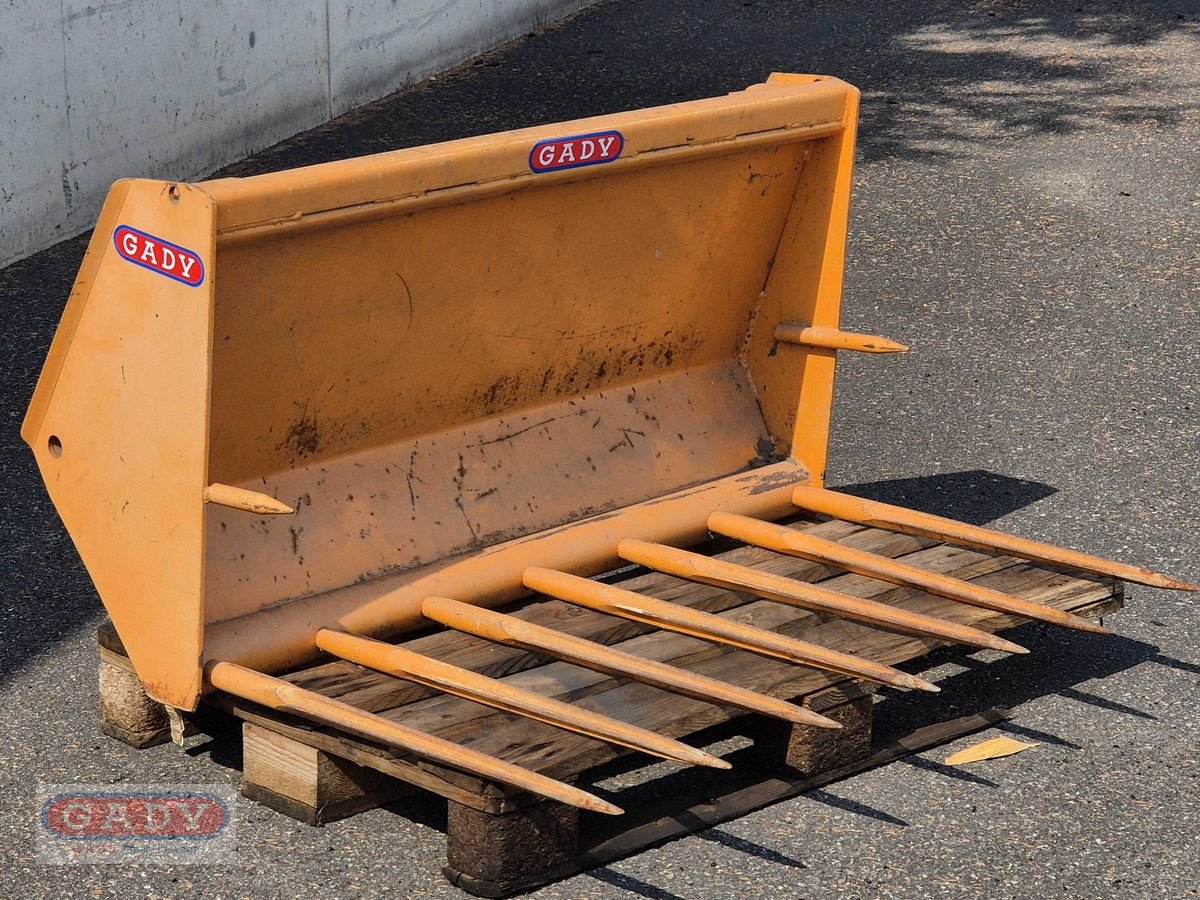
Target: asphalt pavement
<point>1027,217</point>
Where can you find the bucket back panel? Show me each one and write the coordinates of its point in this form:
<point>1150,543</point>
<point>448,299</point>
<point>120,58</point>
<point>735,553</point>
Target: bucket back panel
<point>341,339</point>
<point>606,314</point>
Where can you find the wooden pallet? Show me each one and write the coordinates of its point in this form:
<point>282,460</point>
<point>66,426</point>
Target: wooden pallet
<point>501,841</point>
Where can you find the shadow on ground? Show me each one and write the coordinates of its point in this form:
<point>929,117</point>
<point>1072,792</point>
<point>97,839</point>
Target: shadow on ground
<point>1059,662</point>
<point>976,497</point>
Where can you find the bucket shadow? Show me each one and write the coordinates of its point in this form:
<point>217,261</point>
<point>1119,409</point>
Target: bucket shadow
<point>1059,661</point>
<point>634,886</point>
<point>975,496</point>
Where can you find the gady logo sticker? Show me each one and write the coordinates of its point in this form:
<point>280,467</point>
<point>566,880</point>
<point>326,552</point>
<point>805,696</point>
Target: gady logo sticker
<point>159,256</point>
<point>179,824</point>
<point>579,150</point>
<point>90,816</point>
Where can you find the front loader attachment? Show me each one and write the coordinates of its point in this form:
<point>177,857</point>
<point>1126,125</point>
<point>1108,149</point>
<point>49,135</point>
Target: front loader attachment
<point>290,415</point>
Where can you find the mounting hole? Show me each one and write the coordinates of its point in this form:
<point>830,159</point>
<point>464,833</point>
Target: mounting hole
<point>55,445</point>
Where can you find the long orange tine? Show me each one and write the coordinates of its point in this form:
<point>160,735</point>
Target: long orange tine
<point>910,521</point>
<point>706,569</point>
<point>403,663</point>
<point>616,601</point>
<point>503,629</point>
<point>796,543</point>
<point>278,694</point>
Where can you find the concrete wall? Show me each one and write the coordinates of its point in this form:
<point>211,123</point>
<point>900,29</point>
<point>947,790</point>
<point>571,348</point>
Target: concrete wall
<point>93,92</point>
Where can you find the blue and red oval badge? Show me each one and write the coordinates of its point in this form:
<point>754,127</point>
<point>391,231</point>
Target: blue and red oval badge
<point>554,154</point>
<point>159,256</point>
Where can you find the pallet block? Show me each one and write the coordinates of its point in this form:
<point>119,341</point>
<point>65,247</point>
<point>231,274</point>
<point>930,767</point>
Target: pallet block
<point>308,784</point>
<point>126,713</point>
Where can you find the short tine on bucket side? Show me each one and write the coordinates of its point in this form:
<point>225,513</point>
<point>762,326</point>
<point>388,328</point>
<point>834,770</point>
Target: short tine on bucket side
<point>835,339</point>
